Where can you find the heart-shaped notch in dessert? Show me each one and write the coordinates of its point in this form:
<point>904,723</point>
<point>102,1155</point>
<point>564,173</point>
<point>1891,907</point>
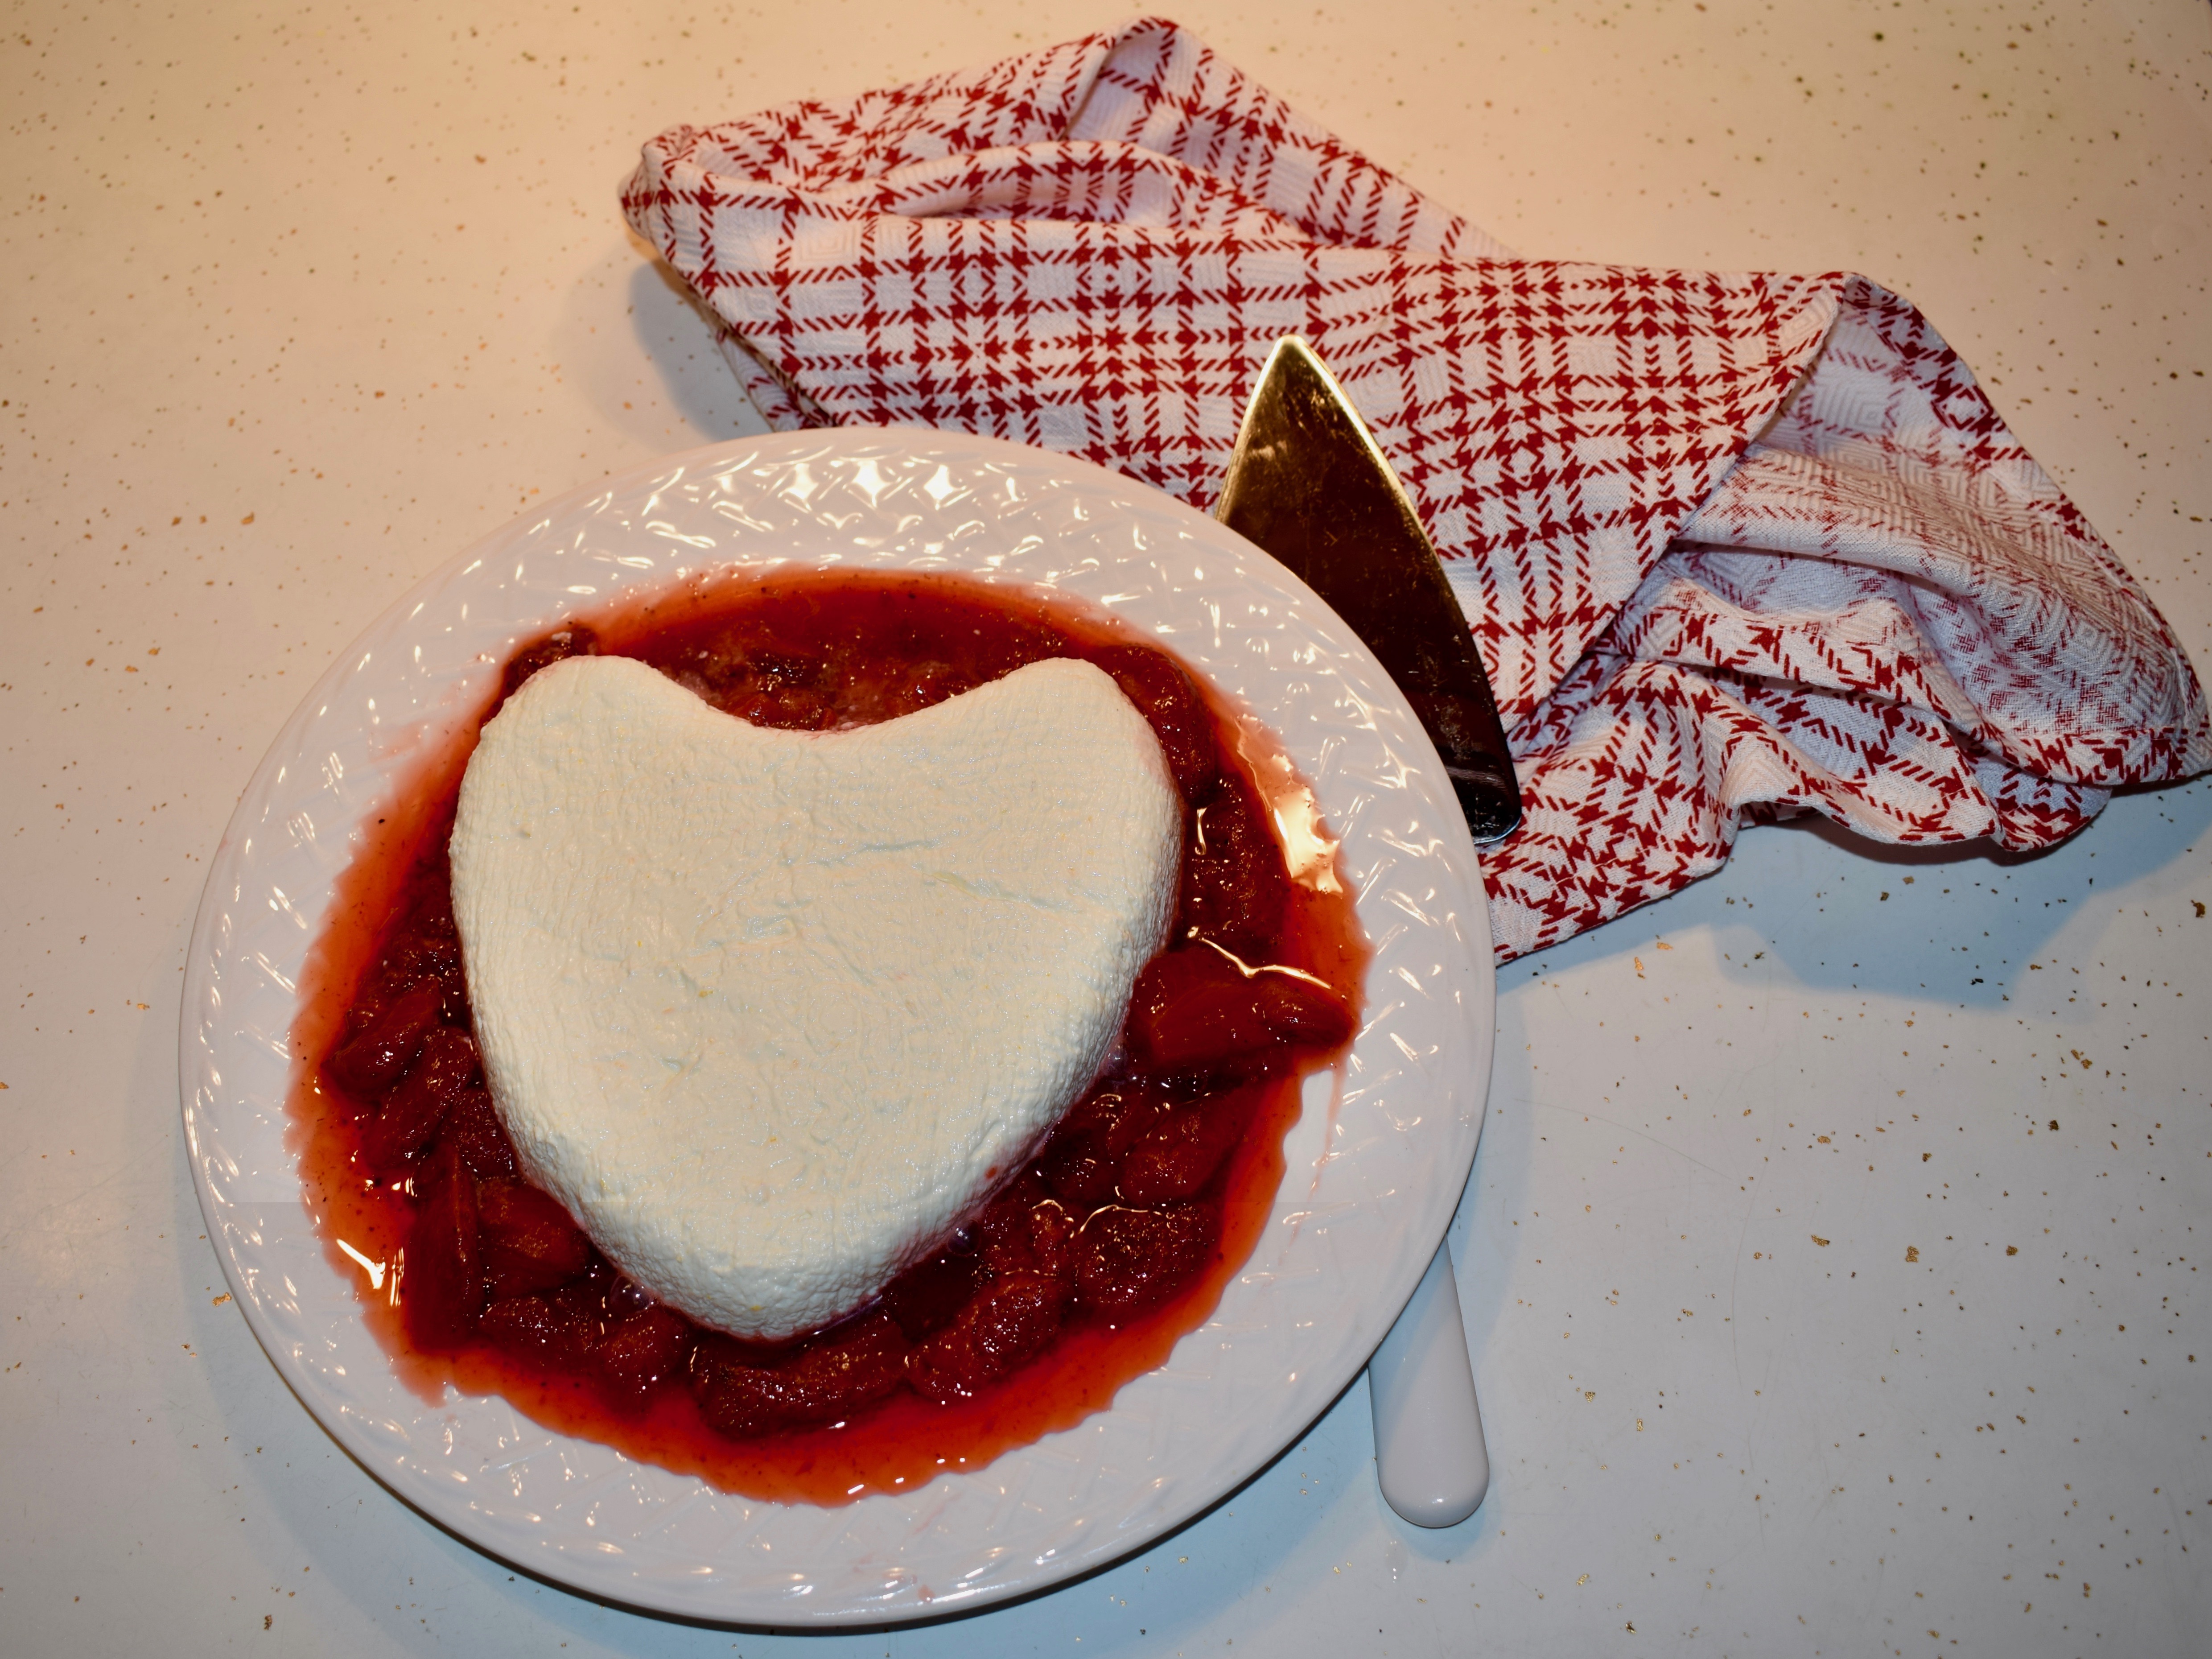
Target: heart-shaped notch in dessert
<point>771,1012</point>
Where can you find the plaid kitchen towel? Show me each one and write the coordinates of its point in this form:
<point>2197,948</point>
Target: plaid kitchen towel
<point>1729,542</point>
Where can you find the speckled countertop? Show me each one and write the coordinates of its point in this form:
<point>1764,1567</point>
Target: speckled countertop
<point>1832,1260</point>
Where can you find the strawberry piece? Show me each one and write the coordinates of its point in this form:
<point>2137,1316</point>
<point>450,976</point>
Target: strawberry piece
<point>1010,1320</point>
<point>1026,1230</point>
<point>1235,888</point>
<point>861,1363</point>
<point>1165,696</point>
<point>574,641</point>
<point>1181,1153</point>
<point>1082,1161</point>
<point>1120,1113</point>
<point>1052,1229</point>
<point>531,1243</point>
<point>1002,1232</point>
<point>1129,1260</point>
<point>473,1125</point>
<point>845,1370</point>
<point>646,1345</point>
<point>588,1297</point>
<point>539,1327</point>
<point>1195,1011</point>
<point>1078,1171</point>
<point>370,1061</point>
<point>428,946</point>
<point>442,1287</point>
<point>414,1111</point>
<point>926,1296</point>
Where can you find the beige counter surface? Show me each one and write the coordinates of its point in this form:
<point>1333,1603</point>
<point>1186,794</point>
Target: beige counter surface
<point>1791,1337</point>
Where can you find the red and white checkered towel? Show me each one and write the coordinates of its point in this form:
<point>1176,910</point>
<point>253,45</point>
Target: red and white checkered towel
<point>1729,542</point>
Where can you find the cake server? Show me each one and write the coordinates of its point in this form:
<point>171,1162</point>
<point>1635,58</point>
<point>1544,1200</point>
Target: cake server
<point>1307,482</point>
<point>1308,485</point>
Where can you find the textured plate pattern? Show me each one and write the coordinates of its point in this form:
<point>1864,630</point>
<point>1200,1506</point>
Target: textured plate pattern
<point>1369,1185</point>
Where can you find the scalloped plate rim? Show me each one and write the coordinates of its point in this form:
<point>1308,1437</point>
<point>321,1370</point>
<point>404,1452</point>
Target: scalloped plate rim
<point>211,1121</point>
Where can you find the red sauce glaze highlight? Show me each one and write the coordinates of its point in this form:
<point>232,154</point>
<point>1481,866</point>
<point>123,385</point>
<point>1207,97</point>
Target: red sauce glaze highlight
<point>822,651</point>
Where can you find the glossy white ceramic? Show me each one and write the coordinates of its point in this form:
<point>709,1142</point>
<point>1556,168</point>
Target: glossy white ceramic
<point>1372,1176</point>
<point>1430,1457</point>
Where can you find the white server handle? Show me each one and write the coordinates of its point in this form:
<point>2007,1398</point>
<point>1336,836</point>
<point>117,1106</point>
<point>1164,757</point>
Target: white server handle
<point>1429,1455</point>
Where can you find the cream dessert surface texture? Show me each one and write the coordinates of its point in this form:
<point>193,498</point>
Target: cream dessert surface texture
<point>769,1010</point>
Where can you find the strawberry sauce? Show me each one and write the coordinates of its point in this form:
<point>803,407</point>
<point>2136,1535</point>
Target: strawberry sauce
<point>1115,1240</point>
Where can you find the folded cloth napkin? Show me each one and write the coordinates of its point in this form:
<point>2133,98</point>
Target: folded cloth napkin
<point>1730,544</point>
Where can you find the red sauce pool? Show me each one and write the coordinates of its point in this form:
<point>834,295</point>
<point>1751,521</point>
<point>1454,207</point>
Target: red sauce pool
<point>818,651</point>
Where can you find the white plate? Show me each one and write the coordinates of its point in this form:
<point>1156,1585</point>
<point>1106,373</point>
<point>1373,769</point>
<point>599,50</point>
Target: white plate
<point>1368,1190</point>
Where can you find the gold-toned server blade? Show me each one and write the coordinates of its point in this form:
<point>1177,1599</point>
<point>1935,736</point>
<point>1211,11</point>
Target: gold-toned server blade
<point>1309,484</point>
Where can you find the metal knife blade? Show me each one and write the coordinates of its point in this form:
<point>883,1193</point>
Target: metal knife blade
<point>1309,485</point>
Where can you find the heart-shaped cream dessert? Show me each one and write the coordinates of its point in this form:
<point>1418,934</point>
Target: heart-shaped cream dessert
<point>769,1012</point>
